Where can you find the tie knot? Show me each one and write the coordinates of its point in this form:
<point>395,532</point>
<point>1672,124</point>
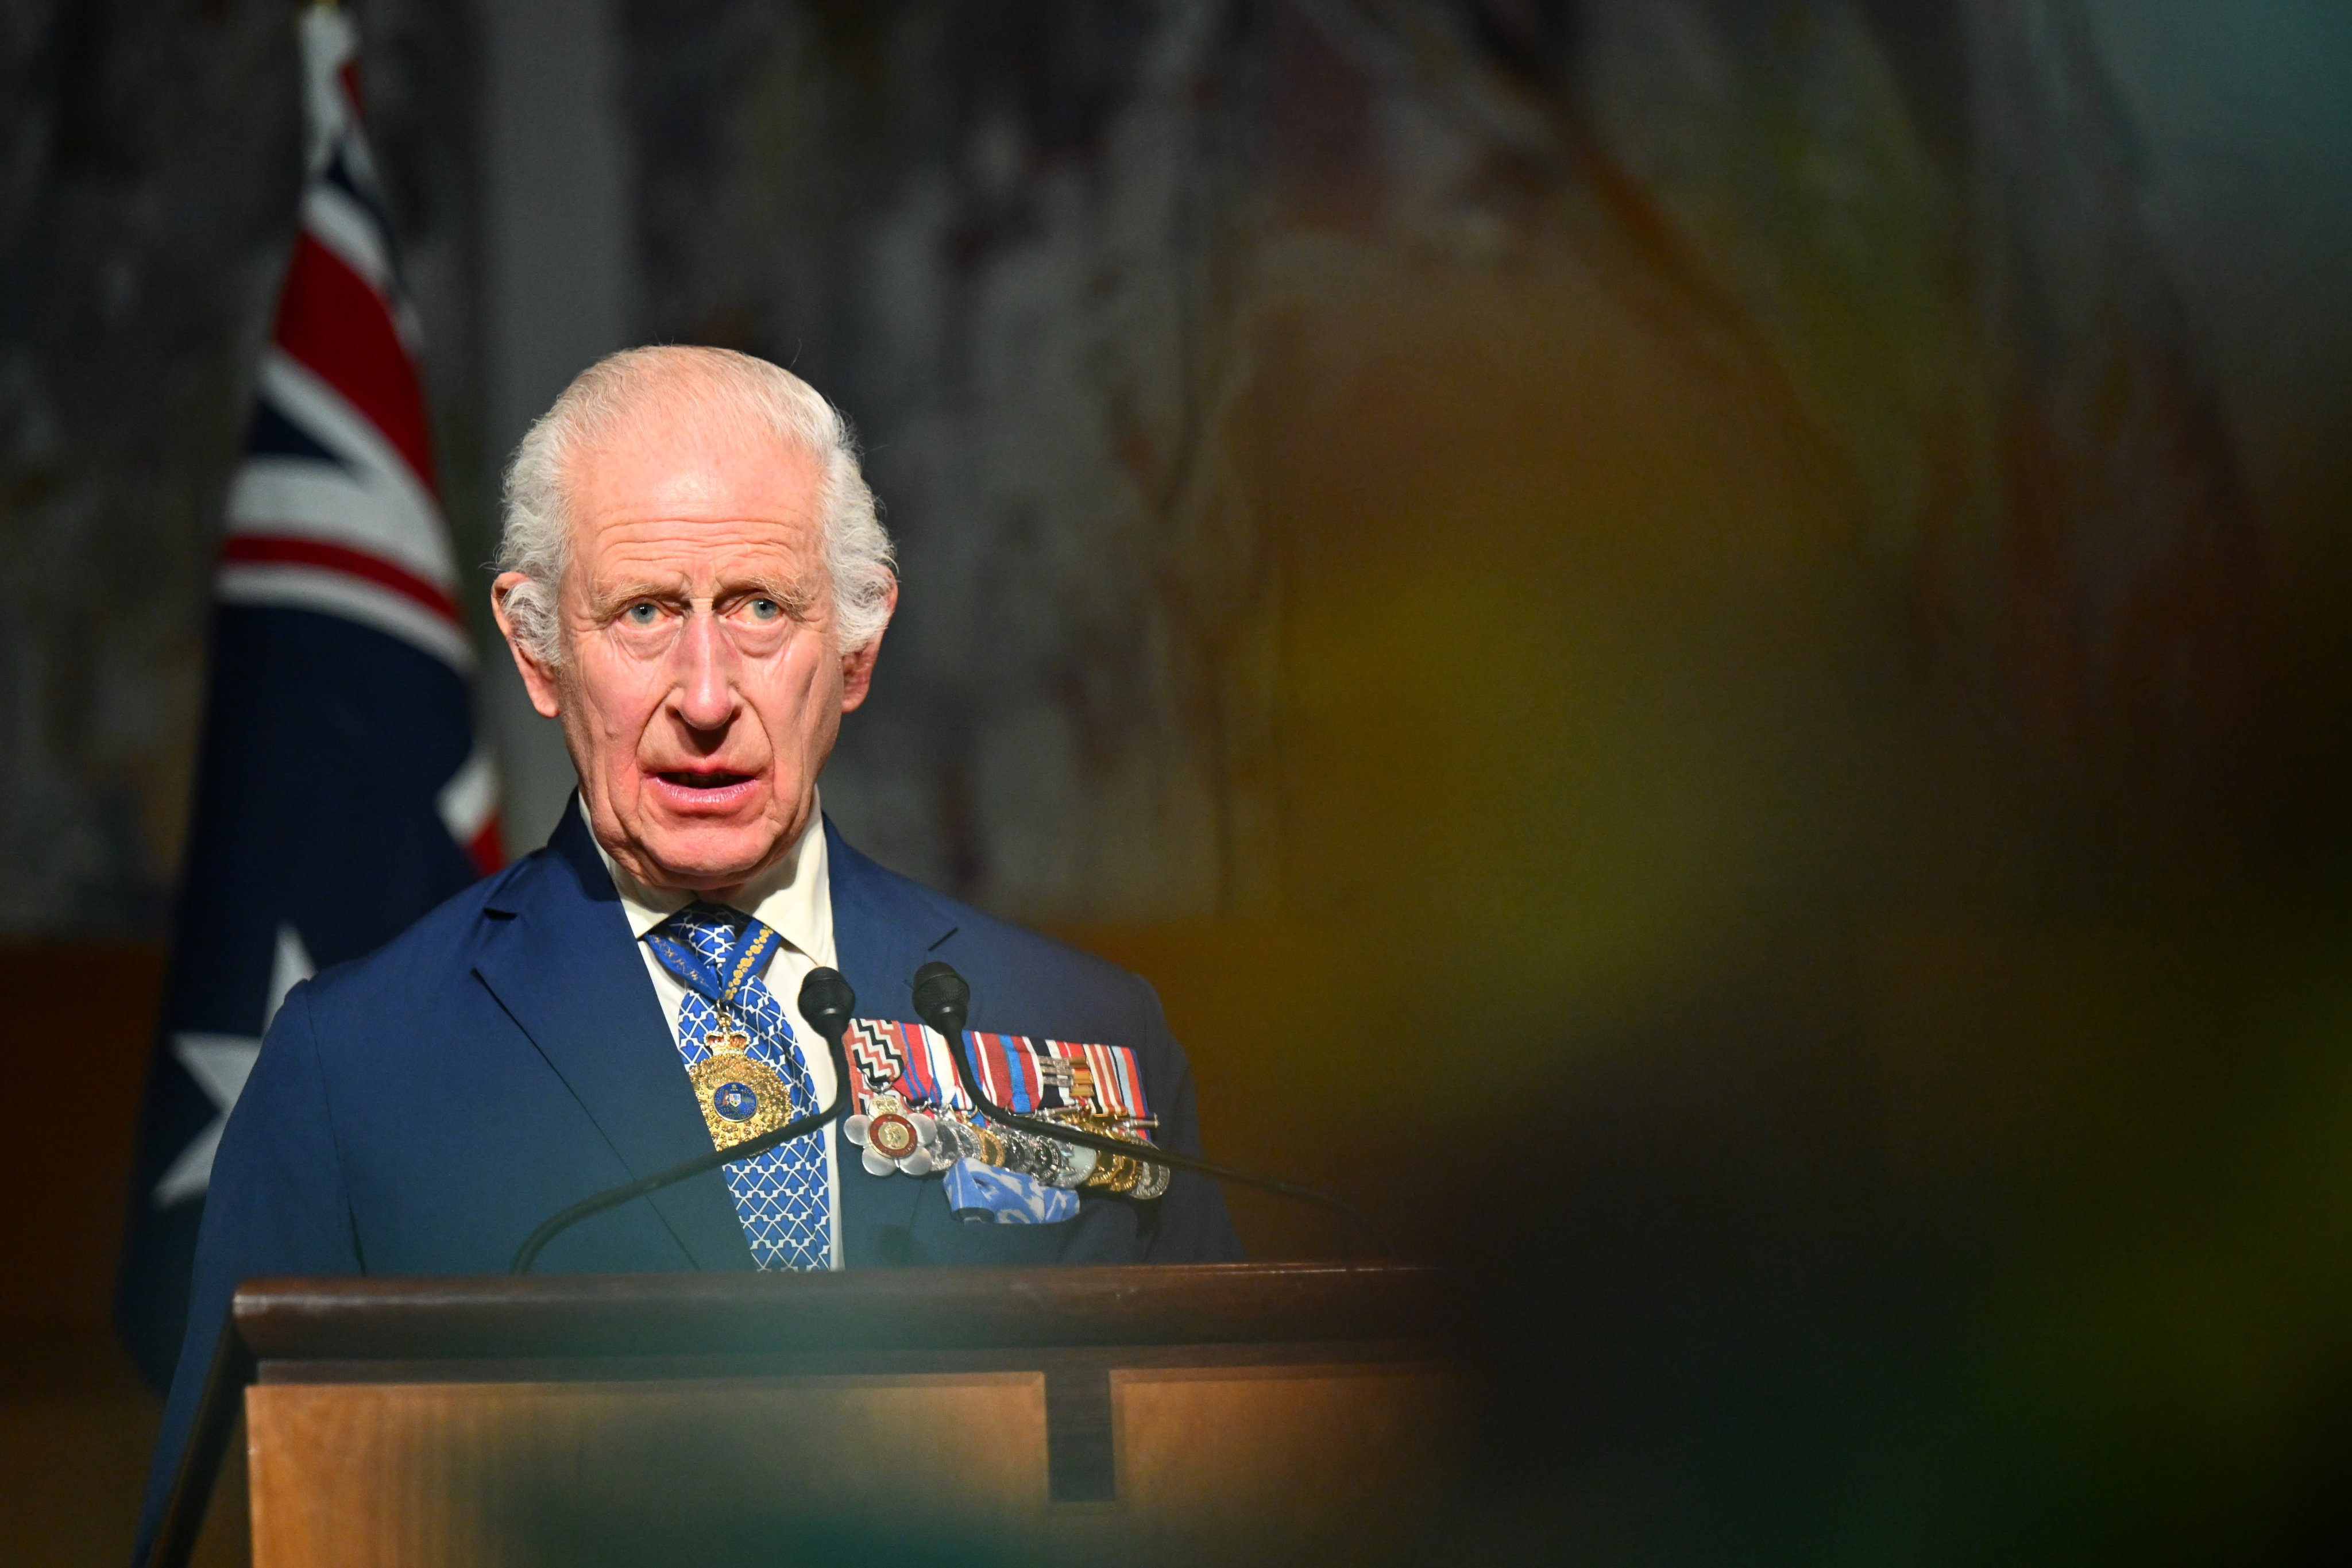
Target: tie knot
<point>711,949</point>
<point>702,923</point>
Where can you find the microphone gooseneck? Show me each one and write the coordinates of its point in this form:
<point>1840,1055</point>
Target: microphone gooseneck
<point>826,1002</point>
<point>943,1000</point>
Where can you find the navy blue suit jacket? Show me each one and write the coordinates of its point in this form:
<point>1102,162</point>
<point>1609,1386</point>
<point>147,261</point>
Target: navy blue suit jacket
<point>421,1111</point>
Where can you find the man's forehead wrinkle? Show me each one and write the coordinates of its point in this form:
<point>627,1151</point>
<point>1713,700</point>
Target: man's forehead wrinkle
<point>686,560</point>
<point>693,547</point>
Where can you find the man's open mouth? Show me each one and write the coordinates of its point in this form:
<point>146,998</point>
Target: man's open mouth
<point>685,780</point>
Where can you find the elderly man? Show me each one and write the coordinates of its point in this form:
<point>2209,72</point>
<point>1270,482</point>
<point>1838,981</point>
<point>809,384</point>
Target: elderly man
<point>695,584</point>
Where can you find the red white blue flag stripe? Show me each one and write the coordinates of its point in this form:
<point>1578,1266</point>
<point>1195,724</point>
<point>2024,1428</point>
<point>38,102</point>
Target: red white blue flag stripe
<point>336,506</point>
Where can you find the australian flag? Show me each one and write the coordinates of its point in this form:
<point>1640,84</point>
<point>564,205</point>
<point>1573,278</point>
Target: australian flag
<point>340,793</point>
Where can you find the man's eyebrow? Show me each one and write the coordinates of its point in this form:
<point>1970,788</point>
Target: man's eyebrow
<point>628,590</point>
<point>795,592</point>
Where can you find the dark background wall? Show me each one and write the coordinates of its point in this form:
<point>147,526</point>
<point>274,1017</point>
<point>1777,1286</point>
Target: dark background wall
<point>1701,644</point>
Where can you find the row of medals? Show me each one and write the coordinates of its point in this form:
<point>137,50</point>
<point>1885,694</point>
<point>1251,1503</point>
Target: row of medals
<point>897,1136</point>
<point>743,1097</point>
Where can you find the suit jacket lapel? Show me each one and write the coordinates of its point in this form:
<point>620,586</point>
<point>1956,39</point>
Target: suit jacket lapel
<point>882,929</point>
<point>567,971</point>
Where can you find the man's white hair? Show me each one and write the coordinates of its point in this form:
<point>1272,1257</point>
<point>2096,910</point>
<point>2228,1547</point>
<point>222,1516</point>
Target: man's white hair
<point>713,387</point>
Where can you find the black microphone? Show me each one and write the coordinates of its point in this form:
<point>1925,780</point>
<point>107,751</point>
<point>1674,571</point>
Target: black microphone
<point>943,1000</point>
<point>825,1001</point>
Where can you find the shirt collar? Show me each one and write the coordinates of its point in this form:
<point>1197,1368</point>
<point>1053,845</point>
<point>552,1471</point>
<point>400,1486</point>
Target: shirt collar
<point>790,896</point>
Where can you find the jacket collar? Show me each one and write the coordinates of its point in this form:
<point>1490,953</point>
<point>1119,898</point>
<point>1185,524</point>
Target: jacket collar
<point>565,967</point>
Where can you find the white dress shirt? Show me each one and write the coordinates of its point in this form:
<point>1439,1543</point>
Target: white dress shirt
<point>794,898</point>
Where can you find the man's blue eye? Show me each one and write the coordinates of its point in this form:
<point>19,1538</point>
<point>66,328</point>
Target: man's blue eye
<point>765,609</point>
<point>641,615</point>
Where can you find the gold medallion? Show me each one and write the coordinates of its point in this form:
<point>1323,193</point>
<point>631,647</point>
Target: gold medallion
<point>1110,1172</point>
<point>1116,1173</point>
<point>741,1097</point>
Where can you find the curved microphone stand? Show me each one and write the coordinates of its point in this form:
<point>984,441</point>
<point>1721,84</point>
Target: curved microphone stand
<point>825,1001</point>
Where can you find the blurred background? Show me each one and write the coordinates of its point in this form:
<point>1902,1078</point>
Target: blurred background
<point>1701,645</point>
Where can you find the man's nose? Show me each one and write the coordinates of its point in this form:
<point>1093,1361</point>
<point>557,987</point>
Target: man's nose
<point>704,693</point>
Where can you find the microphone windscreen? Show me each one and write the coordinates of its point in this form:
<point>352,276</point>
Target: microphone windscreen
<point>943,999</point>
<point>827,1001</point>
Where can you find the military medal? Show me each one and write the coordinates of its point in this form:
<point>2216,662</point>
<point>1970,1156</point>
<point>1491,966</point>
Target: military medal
<point>740,1096</point>
<point>895,1137</point>
<point>911,1120</point>
<point>892,1136</point>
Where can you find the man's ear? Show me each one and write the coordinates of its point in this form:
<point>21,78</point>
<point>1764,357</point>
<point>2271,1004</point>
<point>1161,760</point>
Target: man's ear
<point>538,678</point>
<point>858,666</point>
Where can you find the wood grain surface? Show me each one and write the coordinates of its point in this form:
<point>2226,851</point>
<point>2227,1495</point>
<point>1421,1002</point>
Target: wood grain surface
<point>1336,1461</point>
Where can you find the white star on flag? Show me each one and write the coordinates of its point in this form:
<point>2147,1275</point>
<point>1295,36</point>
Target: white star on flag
<point>220,1064</point>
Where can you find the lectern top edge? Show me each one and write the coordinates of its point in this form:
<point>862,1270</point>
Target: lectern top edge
<point>399,1319</point>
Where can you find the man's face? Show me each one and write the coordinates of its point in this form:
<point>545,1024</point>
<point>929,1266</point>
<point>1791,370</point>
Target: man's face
<point>702,683</point>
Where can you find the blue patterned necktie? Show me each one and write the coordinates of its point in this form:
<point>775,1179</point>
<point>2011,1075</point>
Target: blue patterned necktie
<point>781,1195</point>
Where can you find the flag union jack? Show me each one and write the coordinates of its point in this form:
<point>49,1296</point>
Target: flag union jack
<point>340,793</point>
<point>335,508</point>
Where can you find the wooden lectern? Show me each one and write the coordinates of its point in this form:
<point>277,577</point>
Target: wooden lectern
<point>1270,1412</point>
